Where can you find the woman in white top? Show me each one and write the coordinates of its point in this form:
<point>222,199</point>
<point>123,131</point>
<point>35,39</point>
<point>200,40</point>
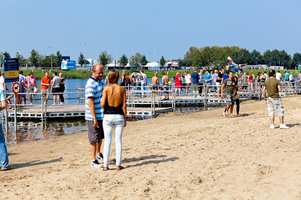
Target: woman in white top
<point>187,78</point>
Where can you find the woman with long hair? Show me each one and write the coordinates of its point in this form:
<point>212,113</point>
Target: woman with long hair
<point>62,87</point>
<point>114,104</point>
<point>251,81</point>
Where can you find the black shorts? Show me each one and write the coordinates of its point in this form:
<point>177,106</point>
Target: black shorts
<point>55,90</point>
<point>95,134</point>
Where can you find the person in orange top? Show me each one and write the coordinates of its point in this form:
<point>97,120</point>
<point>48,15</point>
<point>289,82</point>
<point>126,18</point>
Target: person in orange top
<point>45,83</point>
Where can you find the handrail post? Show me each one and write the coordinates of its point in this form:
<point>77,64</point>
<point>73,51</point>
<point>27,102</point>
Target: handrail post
<point>15,115</point>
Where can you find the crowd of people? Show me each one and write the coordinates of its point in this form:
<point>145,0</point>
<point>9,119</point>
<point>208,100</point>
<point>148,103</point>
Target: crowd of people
<point>105,103</point>
<point>29,85</point>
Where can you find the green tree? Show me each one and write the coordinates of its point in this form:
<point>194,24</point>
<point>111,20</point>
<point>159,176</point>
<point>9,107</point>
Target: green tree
<point>104,58</point>
<point>22,60</point>
<point>6,55</point>
<point>81,59</point>
<point>256,57</point>
<point>1,59</point>
<point>58,59</point>
<point>123,60</point>
<point>34,58</point>
<point>46,61</point>
<point>143,60</point>
<point>297,58</point>
<point>135,60</point>
<point>162,61</point>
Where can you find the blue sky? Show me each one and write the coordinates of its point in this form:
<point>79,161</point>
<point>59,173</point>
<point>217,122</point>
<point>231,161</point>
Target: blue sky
<point>130,26</point>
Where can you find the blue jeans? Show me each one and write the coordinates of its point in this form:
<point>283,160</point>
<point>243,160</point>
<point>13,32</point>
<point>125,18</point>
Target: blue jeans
<point>3,150</point>
<point>111,121</point>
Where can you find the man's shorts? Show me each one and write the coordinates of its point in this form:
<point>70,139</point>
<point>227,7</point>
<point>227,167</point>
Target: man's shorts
<point>275,104</point>
<point>166,88</point>
<point>95,134</point>
<point>30,89</point>
<point>230,99</point>
<point>55,90</point>
<point>155,86</point>
<point>195,87</point>
<point>45,92</point>
<point>218,86</point>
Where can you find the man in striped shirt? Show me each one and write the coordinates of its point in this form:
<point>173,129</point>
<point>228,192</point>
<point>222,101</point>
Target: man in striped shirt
<point>94,113</point>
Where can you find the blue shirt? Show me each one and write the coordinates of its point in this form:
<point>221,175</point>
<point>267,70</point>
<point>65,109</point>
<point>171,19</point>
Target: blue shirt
<point>209,76</point>
<point>195,77</point>
<point>94,90</point>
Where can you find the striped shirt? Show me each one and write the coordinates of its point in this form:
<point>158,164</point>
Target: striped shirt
<point>94,90</point>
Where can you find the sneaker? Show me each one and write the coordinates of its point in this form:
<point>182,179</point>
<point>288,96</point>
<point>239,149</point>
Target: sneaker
<point>99,157</point>
<point>272,126</point>
<point>62,103</point>
<point>30,103</point>
<point>96,164</point>
<point>283,126</point>
<point>8,167</point>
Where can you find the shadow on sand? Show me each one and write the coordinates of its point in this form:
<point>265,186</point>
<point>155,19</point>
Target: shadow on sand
<point>34,163</point>
<point>148,160</point>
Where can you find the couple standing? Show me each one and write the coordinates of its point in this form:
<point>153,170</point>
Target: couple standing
<point>105,109</point>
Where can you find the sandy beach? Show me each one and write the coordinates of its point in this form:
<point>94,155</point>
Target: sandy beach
<point>174,156</point>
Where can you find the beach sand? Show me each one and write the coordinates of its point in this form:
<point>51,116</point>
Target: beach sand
<point>174,156</point>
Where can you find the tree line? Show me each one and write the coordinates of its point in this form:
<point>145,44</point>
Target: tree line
<point>197,57</point>
<point>35,59</point>
<point>217,56</point>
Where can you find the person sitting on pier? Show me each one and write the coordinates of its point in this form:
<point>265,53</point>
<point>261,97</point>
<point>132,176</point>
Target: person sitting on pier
<point>94,113</point>
<point>114,103</point>
<point>155,82</point>
<point>165,83</point>
<point>45,84</point>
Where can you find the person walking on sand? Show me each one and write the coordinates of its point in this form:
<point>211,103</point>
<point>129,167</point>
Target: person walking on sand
<point>4,162</point>
<point>114,104</point>
<point>31,85</point>
<point>45,84</point>
<point>94,113</point>
<point>272,87</point>
<point>230,89</point>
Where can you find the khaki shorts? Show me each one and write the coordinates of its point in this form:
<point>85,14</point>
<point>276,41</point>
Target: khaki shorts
<point>195,87</point>
<point>275,104</point>
<point>218,86</point>
<point>30,89</point>
<point>45,92</point>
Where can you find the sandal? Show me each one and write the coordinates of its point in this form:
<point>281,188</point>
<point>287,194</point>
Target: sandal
<point>119,168</point>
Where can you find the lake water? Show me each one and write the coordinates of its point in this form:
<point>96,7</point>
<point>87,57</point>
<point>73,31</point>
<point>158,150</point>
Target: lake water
<point>31,130</point>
